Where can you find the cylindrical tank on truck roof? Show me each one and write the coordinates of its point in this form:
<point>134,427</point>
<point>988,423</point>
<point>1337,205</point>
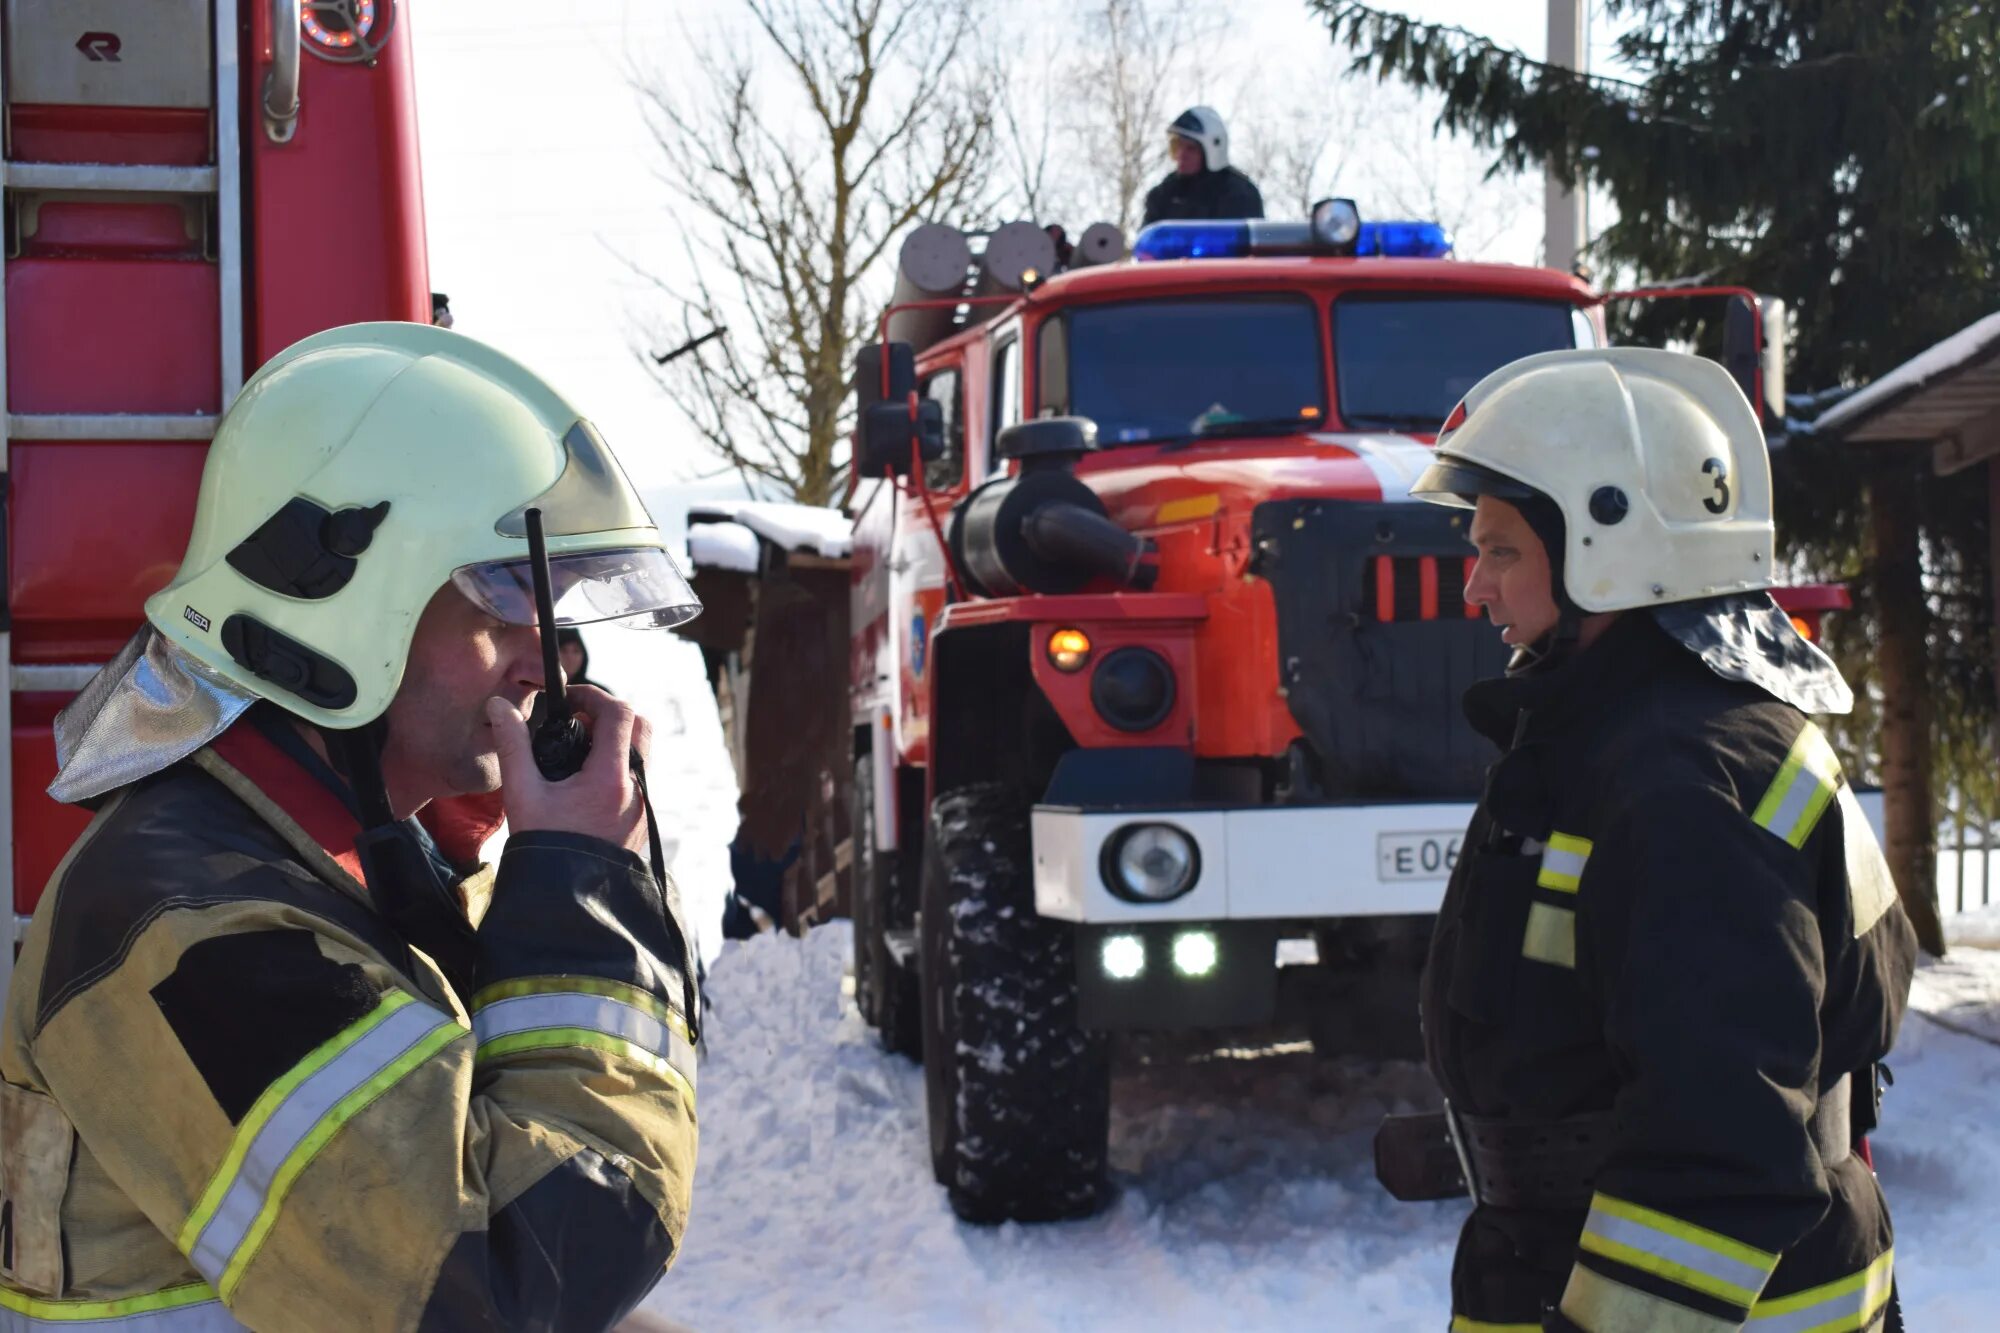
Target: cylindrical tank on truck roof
<point>931,266</point>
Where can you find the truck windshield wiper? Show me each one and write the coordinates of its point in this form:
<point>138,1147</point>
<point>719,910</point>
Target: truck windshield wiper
<point>1236,429</point>
<point>1422,423</point>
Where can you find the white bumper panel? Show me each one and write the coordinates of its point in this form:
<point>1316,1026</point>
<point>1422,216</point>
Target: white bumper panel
<point>1289,862</point>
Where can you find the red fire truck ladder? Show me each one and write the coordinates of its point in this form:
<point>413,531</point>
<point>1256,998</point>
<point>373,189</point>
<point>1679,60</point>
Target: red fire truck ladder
<point>121,341</point>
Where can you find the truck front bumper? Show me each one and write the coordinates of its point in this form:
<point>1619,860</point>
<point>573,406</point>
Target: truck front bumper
<point>1288,863</point>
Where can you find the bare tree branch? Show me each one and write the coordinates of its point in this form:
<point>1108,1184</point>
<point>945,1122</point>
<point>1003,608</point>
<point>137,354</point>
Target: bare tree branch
<point>797,187</point>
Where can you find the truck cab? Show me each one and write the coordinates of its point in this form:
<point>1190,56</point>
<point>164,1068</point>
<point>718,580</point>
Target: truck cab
<point>1156,665</point>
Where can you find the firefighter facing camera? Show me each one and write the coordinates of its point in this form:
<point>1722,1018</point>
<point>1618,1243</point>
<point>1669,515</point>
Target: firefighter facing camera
<point>273,1058</point>
<point>1668,966</point>
<point>1202,184</point>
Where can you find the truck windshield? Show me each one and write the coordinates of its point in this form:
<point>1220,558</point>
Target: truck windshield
<point>1174,370</point>
<point>1402,362</point>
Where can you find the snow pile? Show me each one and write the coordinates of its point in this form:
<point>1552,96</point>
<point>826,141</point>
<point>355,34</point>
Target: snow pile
<point>826,532</point>
<point>1247,1195</point>
<point>728,546</point>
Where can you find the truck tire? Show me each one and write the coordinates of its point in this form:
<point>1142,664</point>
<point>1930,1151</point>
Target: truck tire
<point>885,991</point>
<point>1019,1096</point>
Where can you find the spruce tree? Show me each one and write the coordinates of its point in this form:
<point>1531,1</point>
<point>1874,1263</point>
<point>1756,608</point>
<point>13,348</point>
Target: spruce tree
<point>1841,154</point>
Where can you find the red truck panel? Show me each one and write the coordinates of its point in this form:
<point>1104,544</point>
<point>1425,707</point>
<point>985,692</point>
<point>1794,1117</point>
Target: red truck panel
<point>95,334</point>
<point>85,552</point>
<point>43,830</point>
<point>129,136</point>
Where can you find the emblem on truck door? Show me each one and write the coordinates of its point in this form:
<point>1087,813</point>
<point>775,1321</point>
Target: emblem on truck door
<point>100,46</point>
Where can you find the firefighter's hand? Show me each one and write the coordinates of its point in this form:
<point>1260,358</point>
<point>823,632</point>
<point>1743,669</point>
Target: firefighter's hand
<point>601,800</point>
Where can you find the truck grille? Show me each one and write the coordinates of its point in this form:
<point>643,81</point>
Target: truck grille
<point>1417,587</point>
<point>1377,645</point>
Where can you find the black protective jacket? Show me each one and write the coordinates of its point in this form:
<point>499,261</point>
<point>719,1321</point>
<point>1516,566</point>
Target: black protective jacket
<point>1671,922</point>
<point>236,1096</point>
<point>1227,193</point>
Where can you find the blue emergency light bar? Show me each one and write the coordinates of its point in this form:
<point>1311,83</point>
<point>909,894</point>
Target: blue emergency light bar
<point>1240,240</point>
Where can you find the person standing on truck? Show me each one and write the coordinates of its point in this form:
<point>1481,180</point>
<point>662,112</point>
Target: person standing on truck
<point>267,1062</point>
<point>1202,184</point>
<point>1671,960</point>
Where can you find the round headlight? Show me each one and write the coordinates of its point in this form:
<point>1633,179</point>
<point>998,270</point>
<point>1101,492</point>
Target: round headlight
<point>1150,863</point>
<point>1133,689</point>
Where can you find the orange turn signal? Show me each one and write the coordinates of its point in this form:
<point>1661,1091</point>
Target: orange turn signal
<point>1805,629</point>
<point>1069,649</point>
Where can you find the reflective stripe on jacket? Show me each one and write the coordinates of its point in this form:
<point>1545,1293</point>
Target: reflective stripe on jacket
<point>285,1118</point>
<point>1671,908</point>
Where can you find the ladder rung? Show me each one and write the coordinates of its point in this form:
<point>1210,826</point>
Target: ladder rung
<point>53,677</point>
<point>117,426</point>
<point>107,176</point>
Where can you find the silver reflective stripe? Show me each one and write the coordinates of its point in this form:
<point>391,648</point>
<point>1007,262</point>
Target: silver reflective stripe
<point>293,1120</point>
<point>1798,796</point>
<point>1851,1303</point>
<point>573,1010</point>
<point>1679,1251</point>
<point>1563,862</point>
<point>206,1314</point>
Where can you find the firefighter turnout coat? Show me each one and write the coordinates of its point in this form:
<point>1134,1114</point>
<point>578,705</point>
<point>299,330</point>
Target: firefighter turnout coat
<point>234,1097</point>
<point>1669,940</point>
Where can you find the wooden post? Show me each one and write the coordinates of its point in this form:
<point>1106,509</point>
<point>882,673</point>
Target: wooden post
<point>1909,815</point>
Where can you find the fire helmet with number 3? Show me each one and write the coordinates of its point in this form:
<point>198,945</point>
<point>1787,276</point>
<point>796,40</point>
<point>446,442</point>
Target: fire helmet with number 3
<point>358,473</point>
<point>1646,474</point>
<point>1655,461</point>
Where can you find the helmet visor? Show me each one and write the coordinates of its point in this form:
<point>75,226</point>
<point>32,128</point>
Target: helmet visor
<point>638,586</point>
<point>1456,482</point>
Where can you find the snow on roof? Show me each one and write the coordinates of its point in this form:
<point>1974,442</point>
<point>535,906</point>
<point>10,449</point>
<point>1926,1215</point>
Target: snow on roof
<point>728,546</point>
<point>795,528</point>
<point>1968,345</point>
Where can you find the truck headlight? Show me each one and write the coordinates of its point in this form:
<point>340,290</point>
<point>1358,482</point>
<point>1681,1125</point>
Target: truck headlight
<point>1133,689</point>
<point>1150,863</point>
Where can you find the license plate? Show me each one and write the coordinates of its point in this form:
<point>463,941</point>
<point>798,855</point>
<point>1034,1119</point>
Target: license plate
<point>1416,856</point>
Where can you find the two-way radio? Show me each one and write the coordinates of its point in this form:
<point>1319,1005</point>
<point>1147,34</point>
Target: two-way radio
<point>558,738</point>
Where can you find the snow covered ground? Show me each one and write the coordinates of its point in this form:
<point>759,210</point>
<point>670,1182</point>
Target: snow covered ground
<point>1247,1197</point>
<point>1248,1200</point>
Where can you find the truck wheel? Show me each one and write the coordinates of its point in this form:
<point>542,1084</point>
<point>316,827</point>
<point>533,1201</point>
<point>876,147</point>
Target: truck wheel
<point>1019,1096</point>
<point>884,990</point>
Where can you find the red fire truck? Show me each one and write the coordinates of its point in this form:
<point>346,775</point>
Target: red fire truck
<point>1156,666</point>
<point>190,186</point>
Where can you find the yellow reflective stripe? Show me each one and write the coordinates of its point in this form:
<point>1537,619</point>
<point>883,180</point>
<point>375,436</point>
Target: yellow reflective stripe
<point>1460,1324</point>
<point>543,1039</point>
<point>267,1105</point>
<point>1837,1307</point>
<point>1562,862</point>
<point>613,990</point>
<point>322,1133</point>
<point>1551,935</point>
<point>1665,1246</point>
<point>1798,796</point>
<point>1596,1302</point>
<point>172,1298</point>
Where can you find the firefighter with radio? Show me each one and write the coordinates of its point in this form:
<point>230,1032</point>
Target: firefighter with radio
<point>269,1060</point>
<point>1672,958</point>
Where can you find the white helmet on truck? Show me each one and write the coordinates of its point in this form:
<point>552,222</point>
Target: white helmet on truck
<point>1203,125</point>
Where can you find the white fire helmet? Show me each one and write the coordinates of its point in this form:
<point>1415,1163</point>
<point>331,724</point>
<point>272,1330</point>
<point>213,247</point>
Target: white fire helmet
<point>358,473</point>
<point>1655,460</point>
<point>1203,125</point>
